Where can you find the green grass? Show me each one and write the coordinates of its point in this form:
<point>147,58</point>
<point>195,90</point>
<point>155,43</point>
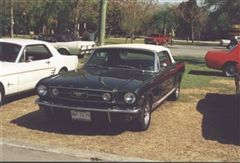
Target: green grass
<point>121,40</point>
<point>113,40</point>
<point>198,75</point>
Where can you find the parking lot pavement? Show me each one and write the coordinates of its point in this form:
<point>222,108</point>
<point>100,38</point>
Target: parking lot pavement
<point>21,151</point>
<point>17,153</point>
<point>192,51</point>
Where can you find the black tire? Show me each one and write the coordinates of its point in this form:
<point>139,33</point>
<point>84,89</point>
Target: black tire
<point>46,111</point>
<point>176,93</point>
<point>144,119</point>
<point>229,70</point>
<point>63,51</point>
<point>1,95</point>
<point>62,71</point>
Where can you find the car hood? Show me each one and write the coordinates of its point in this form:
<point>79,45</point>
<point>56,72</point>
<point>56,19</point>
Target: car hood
<point>149,38</point>
<point>104,79</point>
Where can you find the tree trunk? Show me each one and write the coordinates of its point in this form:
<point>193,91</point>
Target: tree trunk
<point>12,20</point>
<point>102,22</point>
<point>133,26</point>
<point>192,31</point>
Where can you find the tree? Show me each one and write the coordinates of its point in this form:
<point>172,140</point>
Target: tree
<point>136,13</point>
<point>192,14</point>
<point>165,20</point>
<point>223,14</point>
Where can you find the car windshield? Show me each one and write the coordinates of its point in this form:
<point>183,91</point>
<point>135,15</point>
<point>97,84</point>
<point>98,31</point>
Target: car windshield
<point>123,58</point>
<point>155,35</point>
<point>9,52</point>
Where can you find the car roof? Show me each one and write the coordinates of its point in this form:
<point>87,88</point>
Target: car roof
<point>148,47</point>
<point>21,41</point>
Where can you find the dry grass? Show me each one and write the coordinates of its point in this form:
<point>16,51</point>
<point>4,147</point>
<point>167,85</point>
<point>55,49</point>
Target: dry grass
<point>202,128</point>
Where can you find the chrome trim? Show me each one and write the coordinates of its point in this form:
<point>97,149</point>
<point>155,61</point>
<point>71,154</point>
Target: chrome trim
<point>164,97</point>
<point>83,89</point>
<point>108,110</point>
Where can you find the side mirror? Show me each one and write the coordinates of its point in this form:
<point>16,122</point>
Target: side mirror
<point>164,65</point>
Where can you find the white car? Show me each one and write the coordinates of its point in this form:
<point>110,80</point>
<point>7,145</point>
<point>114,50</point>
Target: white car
<point>69,45</point>
<point>23,62</point>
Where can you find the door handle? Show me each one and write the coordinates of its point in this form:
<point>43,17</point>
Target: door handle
<point>48,62</point>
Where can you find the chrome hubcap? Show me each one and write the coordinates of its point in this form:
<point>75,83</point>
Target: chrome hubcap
<point>146,114</point>
<point>177,92</point>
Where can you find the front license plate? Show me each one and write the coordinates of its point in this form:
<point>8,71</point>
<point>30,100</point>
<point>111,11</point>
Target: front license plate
<point>81,116</point>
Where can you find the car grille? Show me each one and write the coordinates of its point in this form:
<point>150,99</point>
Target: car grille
<point>86,95</point>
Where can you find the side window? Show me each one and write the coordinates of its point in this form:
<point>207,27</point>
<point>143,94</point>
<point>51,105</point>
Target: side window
<point>35,53</point>
<point>168,59</point>
<point>163,57</point>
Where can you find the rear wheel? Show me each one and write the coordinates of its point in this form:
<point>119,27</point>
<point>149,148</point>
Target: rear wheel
<point>63,51</point>
<point>229,69</point>
<point>176,94</point>
<point>144,119</point>
<point>63,70</point>
<point>1,95</point>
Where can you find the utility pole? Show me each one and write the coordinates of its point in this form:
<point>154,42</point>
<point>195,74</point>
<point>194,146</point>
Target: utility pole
<point>12,22</point>
<point>102,22</point>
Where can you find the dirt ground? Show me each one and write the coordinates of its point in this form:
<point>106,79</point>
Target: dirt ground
<point>203,125</point>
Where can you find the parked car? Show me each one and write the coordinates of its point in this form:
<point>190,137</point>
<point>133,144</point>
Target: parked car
<point>233,42</point>
<point>237,80</point>
<point>224,42</point>
<point>69,44</point>
<point>24,62</point>
<point>225,60</point>
<point>157,39</point>
<point>125,81</point>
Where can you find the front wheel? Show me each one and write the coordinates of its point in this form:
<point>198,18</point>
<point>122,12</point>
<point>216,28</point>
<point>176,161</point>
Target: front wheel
<point>144,119</point>
<point>229,70</point>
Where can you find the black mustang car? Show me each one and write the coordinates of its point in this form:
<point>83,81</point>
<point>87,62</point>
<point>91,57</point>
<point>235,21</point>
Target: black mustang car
<point>125,81</point>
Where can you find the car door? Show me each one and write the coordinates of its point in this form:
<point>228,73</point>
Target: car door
<point>9,72</point>
<point>36,63</point>
<point>165,76</point>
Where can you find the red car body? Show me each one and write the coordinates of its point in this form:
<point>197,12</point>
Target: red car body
<point>224,60</point>
<point>157,39</point>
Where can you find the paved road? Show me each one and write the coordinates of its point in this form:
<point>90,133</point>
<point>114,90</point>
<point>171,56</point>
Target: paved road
<point>17,153</point>
<point>12,150</point>
<point>192,51</point>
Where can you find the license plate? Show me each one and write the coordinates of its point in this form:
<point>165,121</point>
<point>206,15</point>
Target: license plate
<point>81,116</point>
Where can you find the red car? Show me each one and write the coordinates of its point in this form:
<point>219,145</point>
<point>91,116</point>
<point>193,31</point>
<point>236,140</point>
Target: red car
<point>157,39</point>
<point>224,60</point>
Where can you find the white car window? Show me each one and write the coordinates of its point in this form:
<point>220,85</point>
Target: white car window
<point>35,52</point>
<point>9,52</point>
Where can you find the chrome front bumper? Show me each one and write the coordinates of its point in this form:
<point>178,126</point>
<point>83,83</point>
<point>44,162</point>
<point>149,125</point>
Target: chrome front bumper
<point>113,109</point>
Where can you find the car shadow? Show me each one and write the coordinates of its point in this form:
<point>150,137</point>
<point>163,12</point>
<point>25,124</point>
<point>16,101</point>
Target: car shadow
<point>19,96</point>
<point>221,118</point>
<point>38,120</point>
<point>207,73</point>
<point>191,60</point>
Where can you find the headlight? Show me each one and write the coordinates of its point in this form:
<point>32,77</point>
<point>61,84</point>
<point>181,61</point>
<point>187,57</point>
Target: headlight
<point>129,98</point>
<point>106,97</point>
<point>42,90</point>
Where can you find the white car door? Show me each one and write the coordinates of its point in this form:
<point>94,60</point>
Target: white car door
<point>36,63</point>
